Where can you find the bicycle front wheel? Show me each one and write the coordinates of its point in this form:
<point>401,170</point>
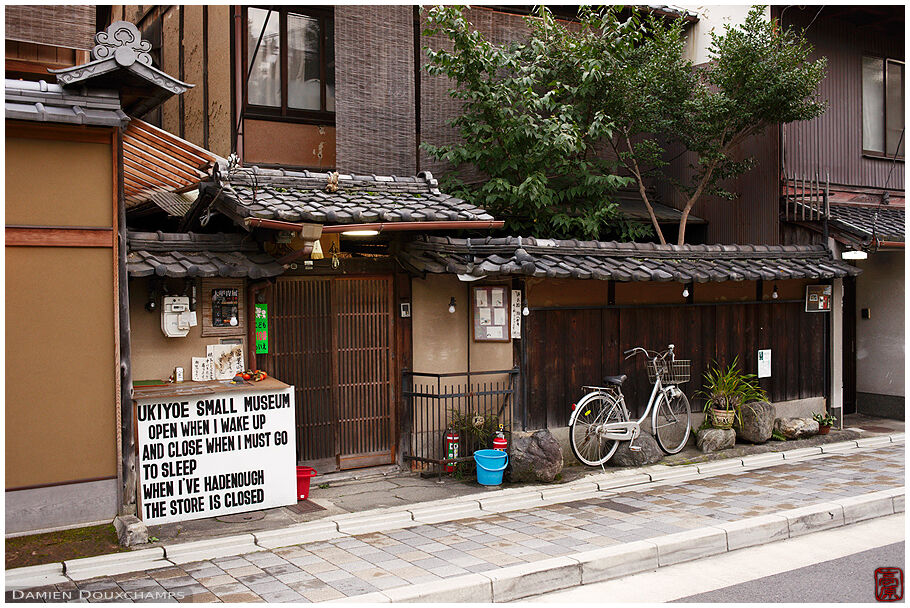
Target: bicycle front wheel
<point>671,422</point>
<point>594,410</point>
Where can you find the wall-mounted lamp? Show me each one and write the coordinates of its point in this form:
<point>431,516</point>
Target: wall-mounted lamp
<point>452,305</point>
<point>525,311</point>
<point>774,294</point>
<point>685,292</point>
<point>154,286</point>
<point>854,254</point>
<point>360,233</point>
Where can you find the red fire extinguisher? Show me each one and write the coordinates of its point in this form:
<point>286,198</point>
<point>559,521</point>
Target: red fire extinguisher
<point>452,439</point>
<point>499,442</point>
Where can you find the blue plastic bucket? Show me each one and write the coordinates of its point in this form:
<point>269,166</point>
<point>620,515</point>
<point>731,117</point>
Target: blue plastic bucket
<point>490,465</point>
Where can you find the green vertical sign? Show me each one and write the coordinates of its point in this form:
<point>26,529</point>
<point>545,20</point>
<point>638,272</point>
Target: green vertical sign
<point>262,329</point>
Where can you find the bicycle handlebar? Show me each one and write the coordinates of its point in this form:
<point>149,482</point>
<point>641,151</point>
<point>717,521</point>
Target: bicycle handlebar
<point>650,353</point>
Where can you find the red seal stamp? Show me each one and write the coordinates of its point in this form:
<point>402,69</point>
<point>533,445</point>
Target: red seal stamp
<point>889,584</point>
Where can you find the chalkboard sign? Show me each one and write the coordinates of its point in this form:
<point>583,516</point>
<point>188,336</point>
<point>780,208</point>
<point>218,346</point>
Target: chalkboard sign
<point>215,454</point>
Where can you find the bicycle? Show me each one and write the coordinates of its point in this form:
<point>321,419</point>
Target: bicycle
<point>600,419</point>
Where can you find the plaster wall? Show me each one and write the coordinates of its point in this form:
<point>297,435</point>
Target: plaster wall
<point>155,356</point>
<point>441,339</point>
<point>712,18</point>
<point>880,339</point>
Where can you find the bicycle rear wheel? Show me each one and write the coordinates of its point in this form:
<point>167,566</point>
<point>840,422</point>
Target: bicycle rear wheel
<point>592,411</point>
<point>671,422</point>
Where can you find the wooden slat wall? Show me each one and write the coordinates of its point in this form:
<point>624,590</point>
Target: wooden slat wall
<point>572,347</point>
<point>332,339</point>
<point>70,26</point>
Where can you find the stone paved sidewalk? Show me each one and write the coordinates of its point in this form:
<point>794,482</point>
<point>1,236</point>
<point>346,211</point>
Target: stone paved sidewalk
<point>361,564</point>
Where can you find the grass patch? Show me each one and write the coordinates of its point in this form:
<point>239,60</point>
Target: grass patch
<point>51,547</point>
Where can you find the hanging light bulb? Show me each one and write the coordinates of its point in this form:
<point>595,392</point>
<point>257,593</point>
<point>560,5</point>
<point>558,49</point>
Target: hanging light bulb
<point>774,294</point>
<point>452,305</point>
<point>685,292</point>
<point>525,311</point>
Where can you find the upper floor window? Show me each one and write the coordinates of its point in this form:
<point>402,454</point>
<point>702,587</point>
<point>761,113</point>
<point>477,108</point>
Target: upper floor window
<point>292,75</point>
<point>883,106</point>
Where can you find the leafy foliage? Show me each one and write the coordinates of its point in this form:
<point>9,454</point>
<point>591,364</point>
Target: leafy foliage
<point>759,74</point>
<point>824,419</point>
<point>727,388</point>
<point>533,121</point>
<point>537,115</point>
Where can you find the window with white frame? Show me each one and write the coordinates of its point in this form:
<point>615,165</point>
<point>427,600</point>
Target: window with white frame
<point>883,106</point>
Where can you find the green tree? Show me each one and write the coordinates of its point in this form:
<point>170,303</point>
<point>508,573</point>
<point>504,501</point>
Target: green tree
<point>759,75</point>
<point>535,123</point>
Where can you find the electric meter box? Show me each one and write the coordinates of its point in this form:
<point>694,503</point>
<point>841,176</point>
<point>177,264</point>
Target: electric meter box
<point>176,316</point>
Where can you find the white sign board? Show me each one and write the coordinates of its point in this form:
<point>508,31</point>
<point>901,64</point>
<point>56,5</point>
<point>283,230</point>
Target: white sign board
<point>516,313</point>
<point>764,363</point>
<point>216,454</point>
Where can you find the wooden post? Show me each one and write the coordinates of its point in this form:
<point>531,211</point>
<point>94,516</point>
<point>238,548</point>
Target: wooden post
<point>127,423</point>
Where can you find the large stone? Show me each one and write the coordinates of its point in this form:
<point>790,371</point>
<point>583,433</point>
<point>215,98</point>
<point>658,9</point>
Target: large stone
<point>534,457</point>
<point>131,531</point>
<point>649,454</point>
<point>714,440</point>
<point>796,428</point>
<point>757,422</point>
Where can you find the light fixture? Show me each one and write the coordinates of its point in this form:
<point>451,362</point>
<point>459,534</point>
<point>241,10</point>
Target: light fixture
<point>360,233</point>
<point>525,311</point>
<point>774,294</point>
<point>685,292</point>
<point>854,254</point>
<point>233,321</point>
<point>452,305</point>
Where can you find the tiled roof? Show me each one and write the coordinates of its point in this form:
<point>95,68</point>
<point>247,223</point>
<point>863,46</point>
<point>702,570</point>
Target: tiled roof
<point>43,102</point>
<point>188,254</point>
<point>620,261</point>
<point>886,221</point>
<point>303,197</point>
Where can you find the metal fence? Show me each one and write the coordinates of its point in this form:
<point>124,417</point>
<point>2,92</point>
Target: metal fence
<point>438,402</point>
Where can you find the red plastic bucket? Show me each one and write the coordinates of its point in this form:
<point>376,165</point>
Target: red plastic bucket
<point>303,481</point>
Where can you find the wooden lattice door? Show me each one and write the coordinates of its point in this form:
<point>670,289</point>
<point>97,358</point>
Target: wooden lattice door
<point>332,339</point>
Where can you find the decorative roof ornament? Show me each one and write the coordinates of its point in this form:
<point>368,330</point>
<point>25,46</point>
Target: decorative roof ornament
<point>121,61</point>
<point>122,41</point>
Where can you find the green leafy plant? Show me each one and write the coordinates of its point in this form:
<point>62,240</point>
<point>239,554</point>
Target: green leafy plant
<point>778,436</point>
<point>534,121</point>
<point>728,389</point>
<point>153,539</point>
<point>476,432</point>
<point>824,419</point>
<point>323,486</point>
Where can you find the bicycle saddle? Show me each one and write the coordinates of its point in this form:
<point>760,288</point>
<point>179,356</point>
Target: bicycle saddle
<point>617,380</point>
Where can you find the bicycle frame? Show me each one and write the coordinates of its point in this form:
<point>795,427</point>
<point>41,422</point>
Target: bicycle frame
<point>630,429</point>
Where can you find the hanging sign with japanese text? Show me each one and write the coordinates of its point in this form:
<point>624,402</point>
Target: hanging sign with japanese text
<point>214,454</point>
<point>262,329</point>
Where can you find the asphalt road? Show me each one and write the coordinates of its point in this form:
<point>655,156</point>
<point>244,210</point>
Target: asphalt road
<point>847,579</point>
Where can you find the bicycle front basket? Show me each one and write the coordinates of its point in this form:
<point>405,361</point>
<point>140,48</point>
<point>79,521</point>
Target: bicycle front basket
<point>671,372</point>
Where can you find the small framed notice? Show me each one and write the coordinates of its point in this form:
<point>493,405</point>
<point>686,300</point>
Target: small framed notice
<point>490,308</point>
<point>818,298</point>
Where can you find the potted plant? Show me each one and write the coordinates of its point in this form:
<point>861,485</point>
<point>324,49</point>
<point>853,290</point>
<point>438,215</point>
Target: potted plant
<point>726,390</point>
<point>825,422</point>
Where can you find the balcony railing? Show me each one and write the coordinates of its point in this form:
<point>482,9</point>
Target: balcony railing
<point>805,198</point>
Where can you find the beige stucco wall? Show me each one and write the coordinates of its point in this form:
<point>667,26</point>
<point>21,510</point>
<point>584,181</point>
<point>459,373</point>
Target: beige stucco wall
<point>155,356</point>
<point>880,339</point>
<point>441,339</point>
<point>60,407</point>
<point>53,200</point>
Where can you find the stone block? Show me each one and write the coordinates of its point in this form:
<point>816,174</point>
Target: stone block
<point>867,506</point>
<point>814,518</point>
<point>649,454</point>
<point>376,597</point>
<point>436,513</point>
<point>720,466</point>
<point>714,440</point>
<point>869,442</point>
<point>184,553</point>
<point>755,531</point>
<point>801,453</point>
<point>677,473</point>
<point>620,479</point>
<point>838,448</point>
<point>510,502</point>
<point>757,422</point>
<point>469,588</point>
<point>617,561</point>
<point>309,532</point>
<point>762,460</point>
<point>568,493</point>
<point>35,576</point>
<point>115,563</point>
<point>534,457</point>
<point>374,522</point>
<point>523,580</point>
<point>689,545</point>
<point>131,531</point>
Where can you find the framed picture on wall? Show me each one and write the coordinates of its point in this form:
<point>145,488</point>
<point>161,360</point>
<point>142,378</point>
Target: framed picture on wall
<point>490,313</point>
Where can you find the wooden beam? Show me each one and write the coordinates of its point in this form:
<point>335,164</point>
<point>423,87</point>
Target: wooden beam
<point>58,236</point>
<point>32,130</point>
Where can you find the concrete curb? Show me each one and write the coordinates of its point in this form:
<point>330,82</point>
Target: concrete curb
<point>497,501</point>
<point>525,580</point>
<point>115,563</point>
